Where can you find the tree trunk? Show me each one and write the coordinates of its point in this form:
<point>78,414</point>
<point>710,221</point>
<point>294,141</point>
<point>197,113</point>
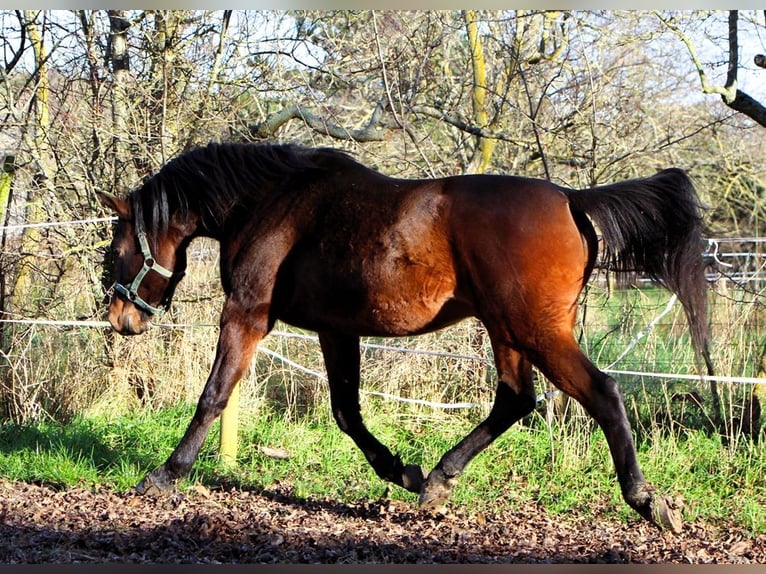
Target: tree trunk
<point>485,146</point>
<point>40,148</point>
<point>119,59</point>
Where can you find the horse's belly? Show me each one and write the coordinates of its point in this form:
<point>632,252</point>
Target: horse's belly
<point>402,315</point>
<point>393,319</point>
<point>378,304</point>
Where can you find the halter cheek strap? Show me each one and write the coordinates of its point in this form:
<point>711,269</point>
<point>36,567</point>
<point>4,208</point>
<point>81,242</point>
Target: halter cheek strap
<point>130,292</point>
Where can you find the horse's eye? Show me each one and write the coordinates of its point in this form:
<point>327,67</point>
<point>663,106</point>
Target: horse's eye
<point>115,250</point>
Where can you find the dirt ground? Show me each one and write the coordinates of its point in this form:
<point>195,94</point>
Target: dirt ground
<point>39,524</point>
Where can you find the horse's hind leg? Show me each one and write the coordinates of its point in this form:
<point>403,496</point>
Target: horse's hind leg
<point>514,398</point>
<point>341,356</point>
<point>569,369</point>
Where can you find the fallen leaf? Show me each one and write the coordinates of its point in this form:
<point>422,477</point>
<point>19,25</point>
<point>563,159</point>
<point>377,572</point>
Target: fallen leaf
<point>279,453</point>
<point>202,490</point>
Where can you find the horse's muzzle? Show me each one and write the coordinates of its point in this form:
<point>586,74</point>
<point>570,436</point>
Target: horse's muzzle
<point>125,318</point>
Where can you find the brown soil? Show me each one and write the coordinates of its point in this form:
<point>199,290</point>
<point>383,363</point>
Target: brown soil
<point>39,524</point>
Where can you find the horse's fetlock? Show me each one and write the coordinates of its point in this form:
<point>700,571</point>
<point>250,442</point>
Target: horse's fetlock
<point>436,490</point>
<point>450,471</point>
<point>412,478</point>
<point>639,496</point>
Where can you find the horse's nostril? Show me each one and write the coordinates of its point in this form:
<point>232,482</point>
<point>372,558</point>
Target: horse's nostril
<point>126,319</point>
<point>132,324</point>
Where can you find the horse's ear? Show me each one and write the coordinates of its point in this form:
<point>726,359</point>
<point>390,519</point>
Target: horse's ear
<point>117,205</point>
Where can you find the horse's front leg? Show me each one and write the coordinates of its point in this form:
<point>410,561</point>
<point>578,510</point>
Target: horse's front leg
<point>341,356</point>
<point>237,341</point>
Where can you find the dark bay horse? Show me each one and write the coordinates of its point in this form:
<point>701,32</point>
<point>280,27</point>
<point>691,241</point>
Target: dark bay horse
<point>315,239</point>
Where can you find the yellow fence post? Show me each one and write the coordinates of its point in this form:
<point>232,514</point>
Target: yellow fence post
<point>229,424</point>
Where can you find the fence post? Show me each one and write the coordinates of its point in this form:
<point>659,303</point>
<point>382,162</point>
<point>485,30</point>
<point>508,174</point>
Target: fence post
<point>229,424</point>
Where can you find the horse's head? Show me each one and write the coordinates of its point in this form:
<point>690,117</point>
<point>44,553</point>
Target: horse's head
<point>147,269</point>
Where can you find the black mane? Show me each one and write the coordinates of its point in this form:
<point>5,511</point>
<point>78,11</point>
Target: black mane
<point>213,180</point>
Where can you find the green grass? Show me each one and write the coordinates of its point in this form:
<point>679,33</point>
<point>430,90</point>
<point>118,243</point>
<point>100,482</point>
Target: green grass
<point>567,469</point>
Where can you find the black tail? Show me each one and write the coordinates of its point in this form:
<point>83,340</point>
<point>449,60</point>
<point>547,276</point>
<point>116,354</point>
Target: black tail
<point>654,226</point>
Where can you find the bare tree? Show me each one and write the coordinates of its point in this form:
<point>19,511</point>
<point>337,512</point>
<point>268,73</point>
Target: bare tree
<point>578,97</point>
<point>479,91</point>
<point>731,95</point>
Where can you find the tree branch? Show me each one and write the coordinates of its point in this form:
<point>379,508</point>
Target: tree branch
<point>736,99</point>
<point>731,73</point>
<point>22,44</point>
<point>749,106</point>
<point>474,130</point>
<point>268,127</point>
<point>479,89</point>
<point>707,88</point>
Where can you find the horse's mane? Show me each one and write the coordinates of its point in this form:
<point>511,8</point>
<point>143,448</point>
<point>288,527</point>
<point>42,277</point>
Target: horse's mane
<point>213,180</point>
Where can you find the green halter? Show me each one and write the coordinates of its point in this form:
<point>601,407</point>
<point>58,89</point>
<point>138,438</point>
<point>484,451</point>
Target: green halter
<point>150,264</point>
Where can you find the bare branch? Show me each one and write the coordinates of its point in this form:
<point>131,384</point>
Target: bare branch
<point>732,97</point>
<point>749,106</point>
<point>474,130</point>
<point>485,146</point>
<point>731,73</point>
<point>22,44</point>
<point>725,92</point>
<point>268,127</point>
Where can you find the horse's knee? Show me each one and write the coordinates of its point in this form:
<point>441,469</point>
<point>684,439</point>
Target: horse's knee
<point>340,420</point>
<point>209,408</point>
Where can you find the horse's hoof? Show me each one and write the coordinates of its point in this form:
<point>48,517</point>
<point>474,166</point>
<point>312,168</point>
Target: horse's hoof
<point>147,487</point>
<point>435,492</point>
<point>154,484</point>
<point>413,478</point>
<point>666,513</point>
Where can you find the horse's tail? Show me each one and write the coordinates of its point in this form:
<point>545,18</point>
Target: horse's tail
<point>654,225</point>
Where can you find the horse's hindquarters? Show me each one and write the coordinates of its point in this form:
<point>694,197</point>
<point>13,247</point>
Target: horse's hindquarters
<point>523,258</point>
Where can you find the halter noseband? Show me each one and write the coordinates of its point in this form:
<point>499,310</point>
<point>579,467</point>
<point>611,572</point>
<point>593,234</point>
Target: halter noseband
<point>150,264</point>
